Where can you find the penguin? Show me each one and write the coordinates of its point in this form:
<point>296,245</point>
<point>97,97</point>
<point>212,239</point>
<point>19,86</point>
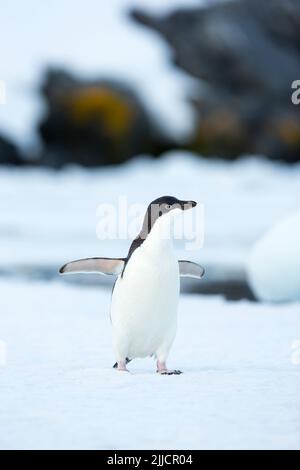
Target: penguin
<point>145,296</point>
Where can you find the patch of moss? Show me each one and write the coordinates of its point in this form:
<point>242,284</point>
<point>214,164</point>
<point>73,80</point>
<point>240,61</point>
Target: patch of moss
<point>102,107</point>
<point>287,130</point>
<point>221,132</point>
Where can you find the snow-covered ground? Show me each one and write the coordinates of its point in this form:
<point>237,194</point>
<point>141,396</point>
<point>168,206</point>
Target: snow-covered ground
<point>240,387</point>
<point>49,217</point>
<point>241,383</point>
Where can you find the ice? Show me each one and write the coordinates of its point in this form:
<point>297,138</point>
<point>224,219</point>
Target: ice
<point>240,386</point>
<point>274,263</point>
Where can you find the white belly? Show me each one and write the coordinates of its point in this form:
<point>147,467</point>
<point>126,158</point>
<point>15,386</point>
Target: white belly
<point>144,304</point>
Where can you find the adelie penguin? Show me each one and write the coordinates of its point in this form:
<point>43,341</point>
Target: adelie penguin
<point>145,296</point>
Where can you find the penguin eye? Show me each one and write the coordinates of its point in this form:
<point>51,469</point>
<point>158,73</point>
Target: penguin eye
<point>168,206</point>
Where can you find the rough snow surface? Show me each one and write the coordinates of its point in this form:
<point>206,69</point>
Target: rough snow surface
<point>240,387</point>
<point>274,263</point>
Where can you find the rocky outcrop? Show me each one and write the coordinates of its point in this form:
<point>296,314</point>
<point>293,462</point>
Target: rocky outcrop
<point>94,122</point>
<point>247,54</point>
<point>9,154</point>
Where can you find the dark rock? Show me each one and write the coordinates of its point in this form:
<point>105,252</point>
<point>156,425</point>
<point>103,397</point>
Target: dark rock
<point>247,53</point>
<point>9,154</point>
<point>94,122</point>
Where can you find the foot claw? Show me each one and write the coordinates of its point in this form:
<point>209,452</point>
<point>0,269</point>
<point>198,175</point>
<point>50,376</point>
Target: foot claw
<point>169,372</point>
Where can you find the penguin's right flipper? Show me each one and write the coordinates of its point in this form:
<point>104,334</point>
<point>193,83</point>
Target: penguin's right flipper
<point>110,266</point>
<point>190,269</point>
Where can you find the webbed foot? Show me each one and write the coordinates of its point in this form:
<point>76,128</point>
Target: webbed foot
<point>163,370</point>
<point>169,372</point>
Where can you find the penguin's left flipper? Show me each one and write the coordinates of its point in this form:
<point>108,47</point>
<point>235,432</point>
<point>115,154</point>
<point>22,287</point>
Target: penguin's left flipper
<point>110,266</point>
<point>190,269</point>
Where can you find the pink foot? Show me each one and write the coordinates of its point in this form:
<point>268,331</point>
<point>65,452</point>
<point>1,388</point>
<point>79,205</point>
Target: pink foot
<point>163,370</point>
<point>122,366</point>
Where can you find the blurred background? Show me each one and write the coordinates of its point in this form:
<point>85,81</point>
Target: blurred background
<point>144,98</point>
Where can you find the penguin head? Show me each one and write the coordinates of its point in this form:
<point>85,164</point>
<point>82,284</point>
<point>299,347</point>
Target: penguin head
<point>166,204</point>
<point>160,211</point>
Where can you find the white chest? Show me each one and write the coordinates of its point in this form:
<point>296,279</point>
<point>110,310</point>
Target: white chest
<point>145,299</point>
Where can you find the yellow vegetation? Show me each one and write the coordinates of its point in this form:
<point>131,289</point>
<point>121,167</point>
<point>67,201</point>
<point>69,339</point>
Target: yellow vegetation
<point>288,130</point>
<point>101,106</point>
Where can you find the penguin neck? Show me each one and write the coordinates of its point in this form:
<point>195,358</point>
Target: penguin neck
<point>159,237</point>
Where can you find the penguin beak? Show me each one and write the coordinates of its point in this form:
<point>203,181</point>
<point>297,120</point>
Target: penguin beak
<point>185,205</point>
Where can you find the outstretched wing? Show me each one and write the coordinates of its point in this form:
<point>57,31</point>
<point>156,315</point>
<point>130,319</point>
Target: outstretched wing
<point>190,269</point>
<point>110,266</point>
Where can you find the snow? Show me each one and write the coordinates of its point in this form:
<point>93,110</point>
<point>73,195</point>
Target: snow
<point>48,217</point>
<point>274,263</point>
<point>240,387</point>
